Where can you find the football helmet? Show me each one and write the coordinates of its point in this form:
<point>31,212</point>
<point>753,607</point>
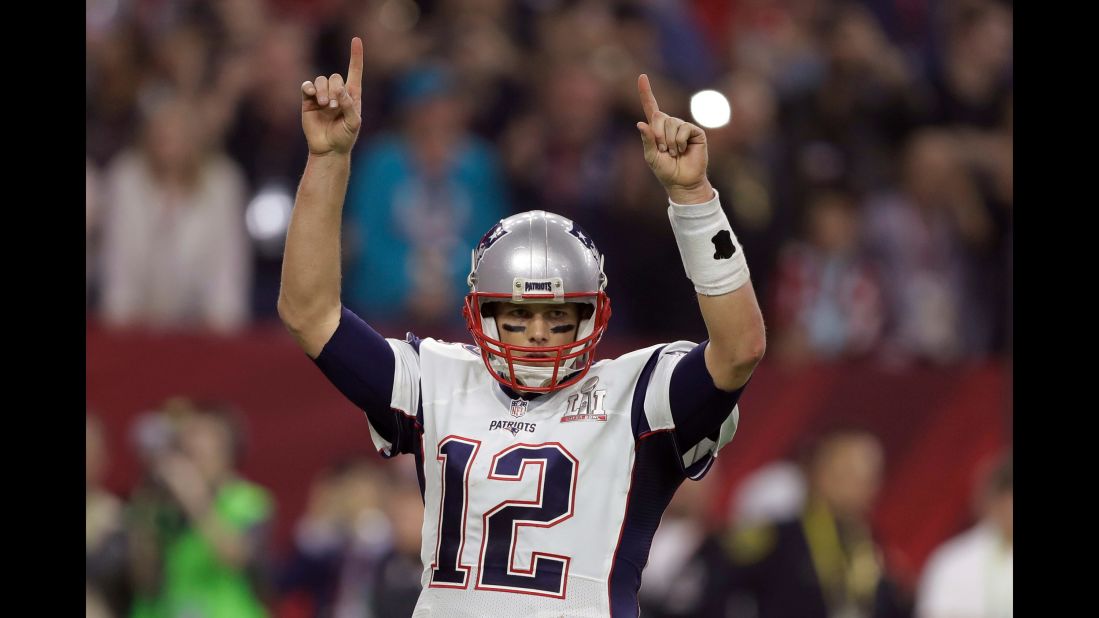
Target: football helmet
<point>537,257</point>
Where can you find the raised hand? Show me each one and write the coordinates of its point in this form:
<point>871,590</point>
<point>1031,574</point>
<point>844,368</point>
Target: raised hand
<point>331,108</point>
<point>674,149</point>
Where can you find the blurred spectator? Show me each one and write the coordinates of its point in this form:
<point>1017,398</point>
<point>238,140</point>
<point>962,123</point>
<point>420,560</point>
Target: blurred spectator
<point>683,51</point>
<point>265,138</point>
<point>775,39</point>
<point>189,63</point>
<point>242,23</point>
<point>773,492</point>
<point>313,566</point>
<point>175,250</point>
<point>972,574</point>
<point>338,540</point>
<point>683,577</point>
<point>199,530</point>
<point>112,79</point>
<point>479,39</point>
<point>828,302</point>
<point>847,128</point>
<point>416,202</point>
<point>395,585</point>
<point>105,550</point>
<point>357,548</point>
<point>928,240</point>
<point>971,81</point>
<point>824,562</point>
<point>561,155</point>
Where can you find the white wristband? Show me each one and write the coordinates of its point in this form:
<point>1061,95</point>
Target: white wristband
<point>711,255</point>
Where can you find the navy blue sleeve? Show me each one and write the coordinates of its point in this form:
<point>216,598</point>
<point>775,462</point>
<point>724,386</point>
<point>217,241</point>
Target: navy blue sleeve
<point>698,407</point>
<point>359,362</point>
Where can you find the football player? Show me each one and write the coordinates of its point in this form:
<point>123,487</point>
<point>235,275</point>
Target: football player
<point>544,473</point>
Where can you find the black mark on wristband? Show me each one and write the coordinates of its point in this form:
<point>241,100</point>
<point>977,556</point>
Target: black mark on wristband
<point>723,245</point>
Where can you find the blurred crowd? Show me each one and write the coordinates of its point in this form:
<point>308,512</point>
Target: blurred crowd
<point>801,542</point>
<point>193,538</point>
<point>867,168</point>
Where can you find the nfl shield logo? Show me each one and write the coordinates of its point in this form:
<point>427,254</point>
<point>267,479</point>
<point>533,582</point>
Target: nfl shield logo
<point>518,407</point>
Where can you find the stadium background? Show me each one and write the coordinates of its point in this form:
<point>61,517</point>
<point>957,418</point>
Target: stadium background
<point>869,147</point>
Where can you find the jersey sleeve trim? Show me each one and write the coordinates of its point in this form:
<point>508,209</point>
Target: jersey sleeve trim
<point>675,393</point>
<point>638,417</point>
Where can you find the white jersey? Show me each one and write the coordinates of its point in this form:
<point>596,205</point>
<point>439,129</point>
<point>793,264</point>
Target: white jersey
<point>541,508</point>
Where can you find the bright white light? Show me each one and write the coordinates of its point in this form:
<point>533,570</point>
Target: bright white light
<point>268,215</point>
<point>710,109</point>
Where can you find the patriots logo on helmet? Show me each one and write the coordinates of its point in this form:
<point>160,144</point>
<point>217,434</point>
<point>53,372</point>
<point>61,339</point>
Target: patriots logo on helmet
<point>580,234</point>
<point>495,233</point>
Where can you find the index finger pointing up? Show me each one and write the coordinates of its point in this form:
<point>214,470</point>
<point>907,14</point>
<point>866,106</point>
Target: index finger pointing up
<point>648,101</point>
<point>355,68</point>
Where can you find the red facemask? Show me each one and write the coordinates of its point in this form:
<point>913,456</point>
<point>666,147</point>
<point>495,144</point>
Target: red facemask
<point>564,359</point>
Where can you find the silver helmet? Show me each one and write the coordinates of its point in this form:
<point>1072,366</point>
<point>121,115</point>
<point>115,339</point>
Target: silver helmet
<point>537,257</point>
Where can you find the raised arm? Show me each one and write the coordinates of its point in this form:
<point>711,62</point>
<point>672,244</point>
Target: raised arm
<point>309,299</point>
<point>351,354</point>
<point>676,153</point>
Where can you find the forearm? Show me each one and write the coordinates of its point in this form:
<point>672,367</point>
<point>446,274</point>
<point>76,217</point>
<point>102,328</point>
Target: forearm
<point>309,299</point>
<point>733,320</point>
<point>737,337</point>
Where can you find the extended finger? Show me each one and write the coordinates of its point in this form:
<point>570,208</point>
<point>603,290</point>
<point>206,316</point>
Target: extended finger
<point>321,84</point>
<point>355,68</point>
<point>648,101</point>
<point>335,88</point>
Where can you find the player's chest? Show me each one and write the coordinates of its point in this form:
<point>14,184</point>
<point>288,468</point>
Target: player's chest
<point>592,410</point>
<point>590,423</point>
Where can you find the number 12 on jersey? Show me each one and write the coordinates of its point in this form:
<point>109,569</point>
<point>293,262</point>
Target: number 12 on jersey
<point>553,504</point>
